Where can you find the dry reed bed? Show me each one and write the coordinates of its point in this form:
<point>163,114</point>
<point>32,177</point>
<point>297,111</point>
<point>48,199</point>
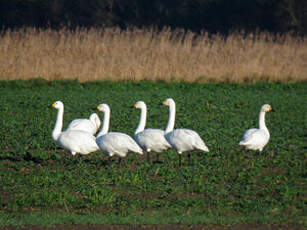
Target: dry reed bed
<point>112,54</point>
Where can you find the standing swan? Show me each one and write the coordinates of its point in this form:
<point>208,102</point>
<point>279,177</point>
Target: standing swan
<point>256,139</point>
<point>149,139</point>
<point>114,143</point>
<point>75,141</point>
<point>181,139</point>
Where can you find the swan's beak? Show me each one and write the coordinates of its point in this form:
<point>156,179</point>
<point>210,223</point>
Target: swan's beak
<point>52,105</point>
<point>98,107</point>
<point>133,107</point>
<point>163,103</point>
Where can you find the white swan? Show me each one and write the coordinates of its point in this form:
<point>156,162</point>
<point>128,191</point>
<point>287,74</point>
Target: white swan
<point>75,141</point>
<point>181,139</point>
<point>90,125</point>
<point>256,139</point>
<point>149,139</point>
<point>114,143</point>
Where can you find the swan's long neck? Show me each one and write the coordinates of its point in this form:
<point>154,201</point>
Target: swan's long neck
<point>142,122</point>
<point>262,122</point>
<point>171,118</point>
<point>58,124</point>
<point>106,122</point>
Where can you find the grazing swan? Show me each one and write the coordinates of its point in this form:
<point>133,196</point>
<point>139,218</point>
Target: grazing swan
<point>75,141</point>
<point>256,139</point>
<point>181,139</point>
<point>114,143</point>
<point>90,125</point>
<point>149,139</point>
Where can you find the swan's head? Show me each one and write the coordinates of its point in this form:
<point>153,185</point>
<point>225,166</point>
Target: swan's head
<point>139,105</point>
<point>266,108</point>
<point>168,102</point>
<point>103,108</point>
<point>57,105</point>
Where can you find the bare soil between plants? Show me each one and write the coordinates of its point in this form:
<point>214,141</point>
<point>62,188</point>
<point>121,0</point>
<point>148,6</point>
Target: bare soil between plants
<point>161,227</point>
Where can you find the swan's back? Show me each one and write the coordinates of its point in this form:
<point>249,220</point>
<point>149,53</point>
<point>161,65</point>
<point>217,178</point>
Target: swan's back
<point>77,141</point>
<point>254,139</point>
<point>83,124</point>
<point>185,140</point>
<point>115,143</point>
<point>152,140</point>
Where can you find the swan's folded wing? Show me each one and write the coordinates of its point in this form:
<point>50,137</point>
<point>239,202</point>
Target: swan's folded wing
<point>254,136</point>
<point>119,143</point>
<point>153,139</point>
<point>83,125</point>
<point>196,140</point>
<point>78,141</point>
<point>186,139</point>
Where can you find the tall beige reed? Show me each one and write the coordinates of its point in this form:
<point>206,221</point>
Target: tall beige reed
<point>137,54</point>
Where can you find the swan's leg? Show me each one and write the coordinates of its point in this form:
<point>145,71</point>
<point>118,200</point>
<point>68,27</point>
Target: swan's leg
<point>147,156</point>
<point>158,157</point>
<point>189,158</point>
<point>180,160</point>
<point>119,161</point>
<point>109,161</point>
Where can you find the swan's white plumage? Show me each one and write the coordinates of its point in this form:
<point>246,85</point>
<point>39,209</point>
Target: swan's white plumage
<point>181,140</point>
<point>90,125</point>
<point>149,139</point>
<point>256,139</point>
<point>75,141</point>
<point>114,143</point>
<point>118,144</point>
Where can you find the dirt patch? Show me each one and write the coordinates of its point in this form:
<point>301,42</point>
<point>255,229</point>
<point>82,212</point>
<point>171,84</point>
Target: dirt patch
<point>161,227</point>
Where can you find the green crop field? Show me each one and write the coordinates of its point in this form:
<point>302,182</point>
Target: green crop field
<point>40,184</point>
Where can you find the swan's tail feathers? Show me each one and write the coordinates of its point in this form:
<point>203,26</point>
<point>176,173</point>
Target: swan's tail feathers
<point>204,148</point>
<point>242,143</point>
<point>140,151</point>
<point>137,149</point>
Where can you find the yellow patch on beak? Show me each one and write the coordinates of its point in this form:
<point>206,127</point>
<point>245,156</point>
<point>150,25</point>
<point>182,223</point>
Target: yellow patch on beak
<point>98,107</point>
<point>134,106</point>
<point>163,102</point>
<point>53,105</point>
